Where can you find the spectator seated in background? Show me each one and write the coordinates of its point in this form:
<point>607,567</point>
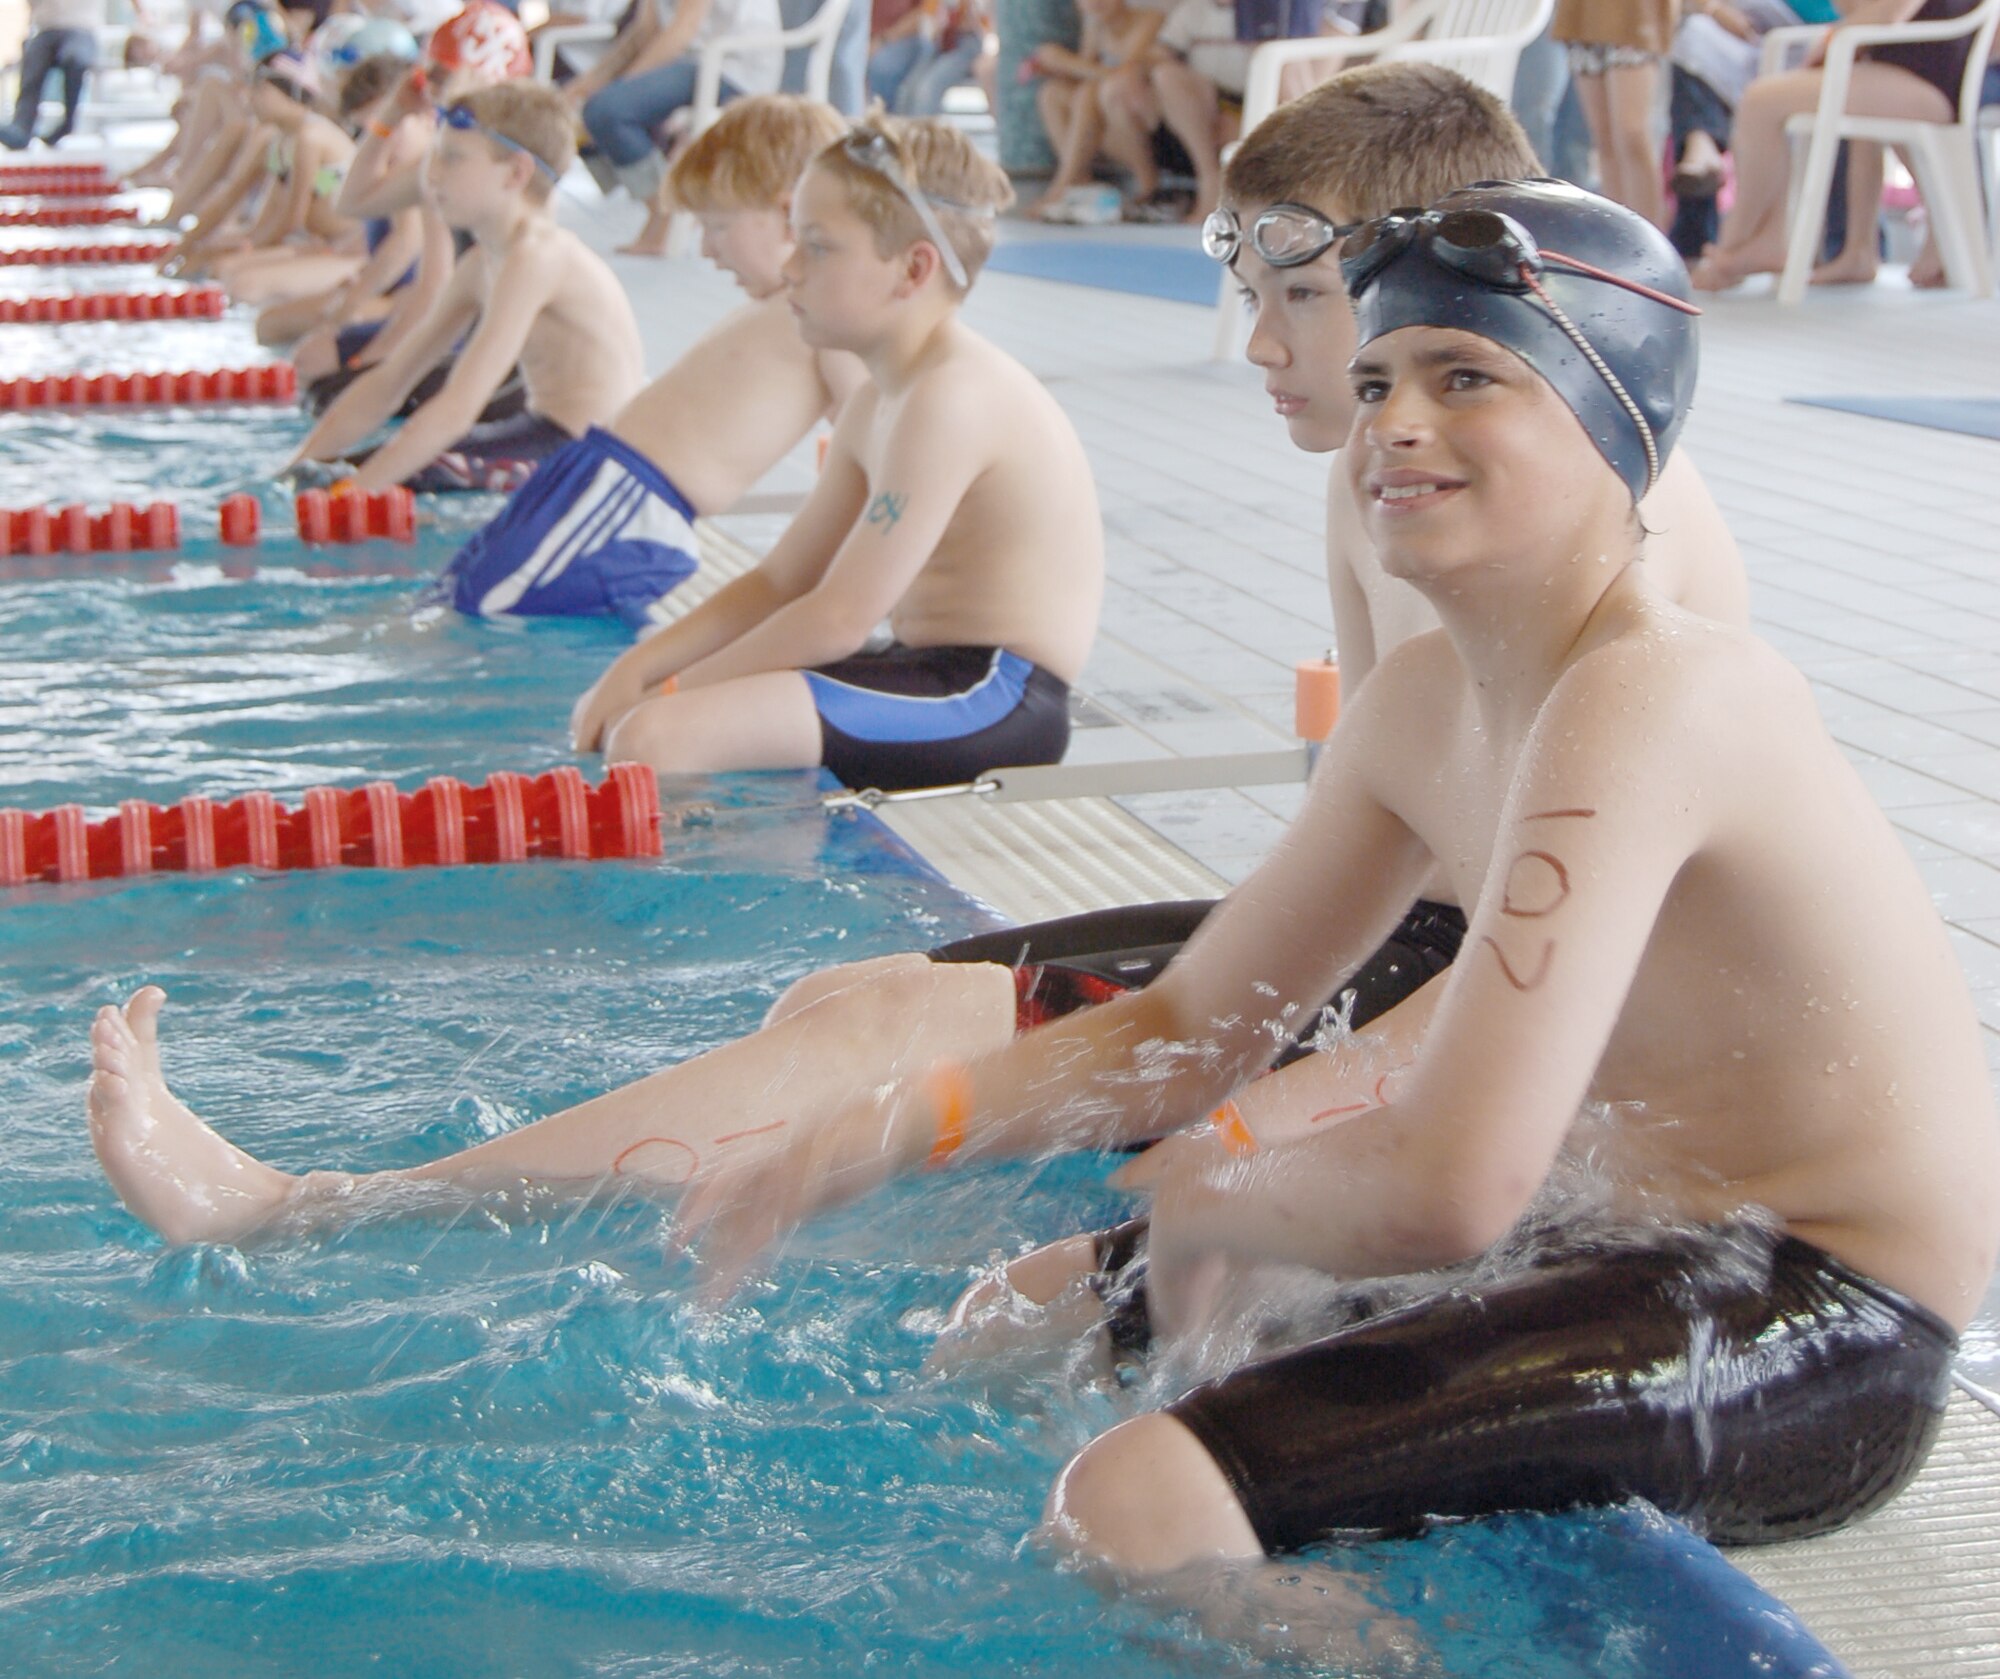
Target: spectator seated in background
<point>1097,99</point>
<point>650,73</point>
<point>919,50</point>
<point>1615,53</point>
<point>1918,81</point>
<point>1716,50</point>
<point>1196,75</point>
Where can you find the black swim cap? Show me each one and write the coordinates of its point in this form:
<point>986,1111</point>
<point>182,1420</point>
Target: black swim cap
<point>1648,346</point>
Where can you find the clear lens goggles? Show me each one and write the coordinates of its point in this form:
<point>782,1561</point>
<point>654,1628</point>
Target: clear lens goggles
<point>1285,235</point>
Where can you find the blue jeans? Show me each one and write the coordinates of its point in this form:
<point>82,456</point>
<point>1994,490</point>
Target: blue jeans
<point>911,77</point>
<point>71,52</point>
<point>621,118</point>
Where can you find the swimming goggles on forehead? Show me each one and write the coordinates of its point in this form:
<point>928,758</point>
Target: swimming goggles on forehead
<point>1285,235</point>
<point>1500,254</point>
<point>876,153</point>
<point>461,118</point>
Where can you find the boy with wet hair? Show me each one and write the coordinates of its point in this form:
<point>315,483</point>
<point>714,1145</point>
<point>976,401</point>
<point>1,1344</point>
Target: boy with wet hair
<point>956,502</point>
<point>527,291</point>
<point>606,523</point>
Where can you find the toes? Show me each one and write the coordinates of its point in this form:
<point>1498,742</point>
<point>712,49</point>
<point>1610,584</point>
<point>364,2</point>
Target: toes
<point>144,1009</point>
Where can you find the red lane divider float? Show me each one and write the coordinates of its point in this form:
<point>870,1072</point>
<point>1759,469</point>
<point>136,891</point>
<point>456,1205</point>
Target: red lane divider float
<point>340,515</point>
<point>62,256</point>
<point>200,303</point>
<point>276,381</point>
<point>57,178</point>
<point>70,215</point>
<point>508,820</point>
<point>241,516</point>
<point>124,529</point>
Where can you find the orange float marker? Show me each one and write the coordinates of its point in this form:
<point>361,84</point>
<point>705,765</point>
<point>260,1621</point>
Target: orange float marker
<point>511,819</point>
<point>1315,697</point>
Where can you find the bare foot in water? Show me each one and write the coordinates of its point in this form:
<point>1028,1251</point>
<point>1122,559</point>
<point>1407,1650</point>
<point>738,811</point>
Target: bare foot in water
<point>171,1170</point>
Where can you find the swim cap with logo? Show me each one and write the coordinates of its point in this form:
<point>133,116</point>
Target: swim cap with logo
<point>1624,364</point>
<point>486,39</point>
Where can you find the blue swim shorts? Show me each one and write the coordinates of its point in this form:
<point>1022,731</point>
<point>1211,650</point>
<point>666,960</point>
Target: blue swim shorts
<point>598,531</point>
<point>935,716</point>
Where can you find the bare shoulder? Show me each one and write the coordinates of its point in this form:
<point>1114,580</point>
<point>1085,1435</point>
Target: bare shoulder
<point>1668,686</point>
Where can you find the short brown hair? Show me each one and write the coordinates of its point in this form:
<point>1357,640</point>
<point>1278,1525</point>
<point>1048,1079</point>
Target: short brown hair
<point>965,190</point>
<point>369,80</point>
<point>753,154</point>
<point>1380,138</point>
<point>536,118</point>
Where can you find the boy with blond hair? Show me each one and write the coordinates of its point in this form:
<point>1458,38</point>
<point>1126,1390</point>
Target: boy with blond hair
<point>528,291</point>
<point>606,523</point>
<point>956,502</point>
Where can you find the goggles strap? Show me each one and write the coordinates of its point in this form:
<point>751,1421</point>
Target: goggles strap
<point>1576,337</point>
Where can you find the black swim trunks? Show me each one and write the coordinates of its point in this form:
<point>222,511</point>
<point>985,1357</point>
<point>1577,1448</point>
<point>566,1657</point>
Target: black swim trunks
<point>1078,960</point>
<point>1737,1378</point>
<point>935,716</point>
<point>494,455</point>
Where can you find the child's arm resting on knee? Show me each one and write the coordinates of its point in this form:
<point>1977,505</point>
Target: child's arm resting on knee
<point>834,599</point>
<point>515,299</point>
<point>378,393</point>
<point>738,607</point>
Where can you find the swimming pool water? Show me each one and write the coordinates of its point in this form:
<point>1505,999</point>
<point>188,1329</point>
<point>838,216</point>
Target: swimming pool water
<point>456,1447</point>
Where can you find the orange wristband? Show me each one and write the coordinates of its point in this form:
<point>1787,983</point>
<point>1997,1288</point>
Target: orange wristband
<point>1236,1135</point>
<point>949,1087</point>
<point>672,685</point>
<point>381,130</point>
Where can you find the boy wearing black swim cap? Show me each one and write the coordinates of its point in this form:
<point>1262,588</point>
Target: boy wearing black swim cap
<point>1698,957</point>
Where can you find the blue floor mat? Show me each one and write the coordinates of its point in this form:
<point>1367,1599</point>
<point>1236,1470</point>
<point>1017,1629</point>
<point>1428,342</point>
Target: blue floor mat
<point>1167,271</point>
<point>1971,416</point>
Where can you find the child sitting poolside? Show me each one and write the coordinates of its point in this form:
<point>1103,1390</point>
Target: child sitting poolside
<point>605,524</point>
<point>528,291</point>
<point>956,502</point>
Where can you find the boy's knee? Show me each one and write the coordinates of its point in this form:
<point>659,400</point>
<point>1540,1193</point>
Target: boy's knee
<point>1147,1498</point>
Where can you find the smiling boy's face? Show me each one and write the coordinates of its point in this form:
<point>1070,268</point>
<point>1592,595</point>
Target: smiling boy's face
<point>1455,439</point>
<point>1302,336</point>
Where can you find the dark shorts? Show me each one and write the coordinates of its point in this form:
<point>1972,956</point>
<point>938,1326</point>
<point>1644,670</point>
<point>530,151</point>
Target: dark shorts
<point>494,455</point>
<point>1078,960</point>
<point>936,716</point>
<point>1741,1380</point>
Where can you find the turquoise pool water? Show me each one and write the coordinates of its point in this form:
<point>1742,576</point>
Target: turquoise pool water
<point>452,1447</point>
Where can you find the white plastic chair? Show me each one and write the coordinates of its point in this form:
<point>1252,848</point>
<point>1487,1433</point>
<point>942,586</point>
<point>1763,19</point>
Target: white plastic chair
<point>815,37</point>
<point>1480,39</point>
<point>1943,156</point>
<point>554,37</point>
